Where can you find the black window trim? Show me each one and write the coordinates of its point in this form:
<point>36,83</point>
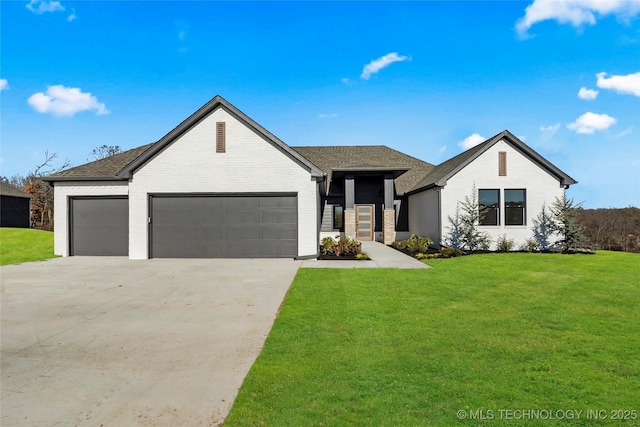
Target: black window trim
<point>497,206</point>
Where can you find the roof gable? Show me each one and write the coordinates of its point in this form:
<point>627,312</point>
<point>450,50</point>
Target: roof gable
<point>204,111</point>
<point>439,175</point>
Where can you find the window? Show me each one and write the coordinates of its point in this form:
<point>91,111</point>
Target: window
<point>338,217</point>
<point>489,200</point>
<point>514,207</point>
<point>502,163</point>
<point>220,137</point>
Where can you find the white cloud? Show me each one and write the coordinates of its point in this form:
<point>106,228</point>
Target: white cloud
<point>73,16</point>
<point>4,84</point>
<point>471,141</point>
<point>629,84</point>
<point>575,12</point>
<point>65,101</point>
<point>378,64</point>
<point>345,80</point>
<point>589,122</point>
<point>42,6</point>
<point>328,116</point>
<point>551,128</point>
<point>587,94</point>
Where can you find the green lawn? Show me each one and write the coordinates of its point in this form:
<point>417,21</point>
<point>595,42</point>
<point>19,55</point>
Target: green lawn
<point>493,332</point>
<point>23,244</point>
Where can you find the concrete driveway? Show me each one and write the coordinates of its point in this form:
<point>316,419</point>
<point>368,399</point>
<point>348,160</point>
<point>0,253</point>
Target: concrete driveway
<point>109,341</point>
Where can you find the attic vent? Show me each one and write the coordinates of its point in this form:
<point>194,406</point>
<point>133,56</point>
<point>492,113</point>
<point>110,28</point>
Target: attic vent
<point>221,137</point>
<point>502,163</point>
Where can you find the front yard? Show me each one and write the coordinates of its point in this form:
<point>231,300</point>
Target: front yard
<point>23,244</point>
<point>495,332</point>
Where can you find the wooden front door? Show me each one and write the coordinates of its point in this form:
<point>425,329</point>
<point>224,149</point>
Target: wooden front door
<point>364,222</point>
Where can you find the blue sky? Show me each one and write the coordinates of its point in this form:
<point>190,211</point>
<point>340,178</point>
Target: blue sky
<point>426,78</point>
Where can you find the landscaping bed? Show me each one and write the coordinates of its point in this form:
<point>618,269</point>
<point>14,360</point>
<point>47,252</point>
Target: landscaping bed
<point>341,249</point>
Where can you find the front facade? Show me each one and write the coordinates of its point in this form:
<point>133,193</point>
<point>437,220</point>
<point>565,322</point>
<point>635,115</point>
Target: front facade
<point>220,185</point>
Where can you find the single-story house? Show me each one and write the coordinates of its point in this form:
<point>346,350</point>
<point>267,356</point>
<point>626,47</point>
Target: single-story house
<point>15,207</point>
<point>221,185</point>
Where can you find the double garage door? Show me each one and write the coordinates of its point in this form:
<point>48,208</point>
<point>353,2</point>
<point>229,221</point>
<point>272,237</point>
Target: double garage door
<point>189,226</point>
<point>229,226</point>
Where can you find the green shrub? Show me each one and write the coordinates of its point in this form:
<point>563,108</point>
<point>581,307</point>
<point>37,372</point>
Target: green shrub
<point>450,252</point>
<point>504,244</point>
<point>530,245</point>
<point>414,244</point>
<point>328,246</point>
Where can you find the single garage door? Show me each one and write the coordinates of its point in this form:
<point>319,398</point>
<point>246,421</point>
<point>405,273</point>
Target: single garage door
<point>224,226</point>
<point>100,226</point>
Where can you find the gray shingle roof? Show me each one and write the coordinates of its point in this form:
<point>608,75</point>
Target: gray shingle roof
<point>329,158</point>
<point>10,190</point>
<point>106,168</point>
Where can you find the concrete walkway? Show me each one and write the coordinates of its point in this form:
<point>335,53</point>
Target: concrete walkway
<point>381,256</point>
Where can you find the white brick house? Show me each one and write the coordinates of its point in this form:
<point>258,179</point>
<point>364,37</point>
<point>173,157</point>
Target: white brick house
<point>220,185</point>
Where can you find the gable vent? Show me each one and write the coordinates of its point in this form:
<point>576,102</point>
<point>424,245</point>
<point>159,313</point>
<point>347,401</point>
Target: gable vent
<point>502,163</point>
<point>221,137</point>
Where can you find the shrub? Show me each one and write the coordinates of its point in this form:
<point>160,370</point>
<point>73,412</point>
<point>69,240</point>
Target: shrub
<point>328,246</point>
<point>450,252</point>
<point>414,245</point>
<point>530,245</point>
<point>348,246</point>
<point>504,244</point>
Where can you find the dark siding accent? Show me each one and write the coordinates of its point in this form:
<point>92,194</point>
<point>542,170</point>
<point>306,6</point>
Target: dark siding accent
<point>502,163</point>
<point>221,137</point>
<point>99,226</point>
<point>14,212</point>
<point>224,226</point>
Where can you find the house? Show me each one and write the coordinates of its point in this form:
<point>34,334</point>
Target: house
<point>221,185</point>
<point>15,207</point>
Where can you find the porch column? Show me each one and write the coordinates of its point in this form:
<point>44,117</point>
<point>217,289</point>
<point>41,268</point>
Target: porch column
<point>389,213</point>
<point>349,207</point>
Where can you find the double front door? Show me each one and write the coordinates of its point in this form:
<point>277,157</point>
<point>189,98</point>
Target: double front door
<point>364,222</point>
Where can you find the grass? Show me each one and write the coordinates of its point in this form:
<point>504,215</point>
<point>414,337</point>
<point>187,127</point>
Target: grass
<point>22,245</point>
<point>486,332</point>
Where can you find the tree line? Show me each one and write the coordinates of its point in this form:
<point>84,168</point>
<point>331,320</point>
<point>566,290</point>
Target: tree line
<point>613,229</point>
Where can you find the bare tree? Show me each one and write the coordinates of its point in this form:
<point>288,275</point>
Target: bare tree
<point>105,151</point>
<point>41,192</point>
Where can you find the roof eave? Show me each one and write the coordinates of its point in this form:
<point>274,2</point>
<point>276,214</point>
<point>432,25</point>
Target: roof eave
<point>53,178</point>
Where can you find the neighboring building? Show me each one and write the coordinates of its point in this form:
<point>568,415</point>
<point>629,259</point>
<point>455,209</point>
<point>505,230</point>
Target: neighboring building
<point>220,185</point>
<point>15,207</point>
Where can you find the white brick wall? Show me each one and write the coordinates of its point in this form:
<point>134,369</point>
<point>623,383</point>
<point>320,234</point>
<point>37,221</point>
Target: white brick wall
<point>522,173</point>
<point>250,164</point>
<point>63,191</point>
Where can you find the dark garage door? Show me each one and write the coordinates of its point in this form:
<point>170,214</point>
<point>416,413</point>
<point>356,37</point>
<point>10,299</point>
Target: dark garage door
<point>229,226</point>
<point>100,226</point>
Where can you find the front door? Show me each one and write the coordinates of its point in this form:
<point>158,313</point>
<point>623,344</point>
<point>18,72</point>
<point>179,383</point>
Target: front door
<point>364,222</point>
